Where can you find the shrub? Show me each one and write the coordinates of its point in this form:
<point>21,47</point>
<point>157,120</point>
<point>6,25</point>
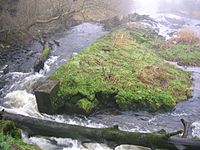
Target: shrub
<point>185,36</point>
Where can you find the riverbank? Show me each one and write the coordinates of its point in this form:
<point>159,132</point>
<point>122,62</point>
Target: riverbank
<point>10,137</point>
<point>119,71</point>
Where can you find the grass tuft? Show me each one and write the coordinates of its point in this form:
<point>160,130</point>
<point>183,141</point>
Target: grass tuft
<point>185,36</point>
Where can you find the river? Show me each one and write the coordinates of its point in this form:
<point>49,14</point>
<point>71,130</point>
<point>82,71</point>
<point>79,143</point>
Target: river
<point>16,96</point>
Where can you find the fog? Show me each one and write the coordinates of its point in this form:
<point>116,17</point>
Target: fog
<point>146,7</point>
<point>188,8</point>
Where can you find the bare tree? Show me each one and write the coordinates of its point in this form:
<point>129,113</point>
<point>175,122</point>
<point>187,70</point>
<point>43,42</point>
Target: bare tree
<point>27,17</point>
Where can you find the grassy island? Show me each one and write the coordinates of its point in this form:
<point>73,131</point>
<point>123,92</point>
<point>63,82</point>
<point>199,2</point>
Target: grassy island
<point>120,71</point>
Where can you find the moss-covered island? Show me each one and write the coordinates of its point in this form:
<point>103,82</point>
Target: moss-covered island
<point>120,71</point>
<point>184,48</point>
<point>10,137</point>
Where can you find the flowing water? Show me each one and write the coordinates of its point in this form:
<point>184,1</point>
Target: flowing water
<point>17,97</point>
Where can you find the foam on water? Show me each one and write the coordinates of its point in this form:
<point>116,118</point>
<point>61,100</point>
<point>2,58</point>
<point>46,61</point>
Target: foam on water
<point>196,129</point>
<point>21,102</point>
<point>48,64</point>
<point>63,144</point>
<point>73,120</point>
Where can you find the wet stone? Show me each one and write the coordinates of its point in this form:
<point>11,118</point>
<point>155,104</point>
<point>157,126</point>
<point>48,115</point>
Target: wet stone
<point>44,93</point>
<point>4,69</point>
<point>2,83</point>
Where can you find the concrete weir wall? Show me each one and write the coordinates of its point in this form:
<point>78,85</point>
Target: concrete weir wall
<point>44,93</point>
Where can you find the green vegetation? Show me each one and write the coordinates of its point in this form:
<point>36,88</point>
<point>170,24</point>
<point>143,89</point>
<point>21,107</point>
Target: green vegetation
<point>39,63</point>
<point>183,49</point>
<point>187,55</point>
<point>120,71</point>
<point>86,105</point>
<point>10,137</point>
<point>45,52</point>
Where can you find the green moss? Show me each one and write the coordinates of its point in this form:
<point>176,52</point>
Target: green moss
<point>8,128</point>
<point>39,63</point>
<point>188,55</point>
<point>85,105</point>
<point>45,52</point>
<point>119,70</point>
<point>10,137</point>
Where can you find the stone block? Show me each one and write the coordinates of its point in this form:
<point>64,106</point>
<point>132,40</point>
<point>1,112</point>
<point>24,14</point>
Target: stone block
<point>43,95</point>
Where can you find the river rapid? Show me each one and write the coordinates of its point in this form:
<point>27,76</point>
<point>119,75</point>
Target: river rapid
<point>16,96</point>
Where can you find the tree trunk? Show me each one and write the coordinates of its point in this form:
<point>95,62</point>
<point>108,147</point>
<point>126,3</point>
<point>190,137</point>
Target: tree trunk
<point>111,136</point>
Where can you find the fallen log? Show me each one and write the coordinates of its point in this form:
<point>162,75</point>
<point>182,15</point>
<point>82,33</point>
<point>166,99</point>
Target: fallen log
<point>112,136</point>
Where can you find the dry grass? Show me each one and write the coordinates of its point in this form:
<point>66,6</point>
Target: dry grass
<point>155,75</point>
<point>121,39</point>
<point>134,25</point>
<point>160,75</point>
<point>185,36</point>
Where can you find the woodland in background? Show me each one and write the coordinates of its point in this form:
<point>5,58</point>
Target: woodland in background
<point>185,7</point>
<point>21,20</point>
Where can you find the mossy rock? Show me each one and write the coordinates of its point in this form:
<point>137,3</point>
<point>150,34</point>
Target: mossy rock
<point>85,106</point>
<point>121,71</point>
<point>39,63</point>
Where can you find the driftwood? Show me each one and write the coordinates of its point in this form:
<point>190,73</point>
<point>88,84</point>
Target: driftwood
<point>111,136</point>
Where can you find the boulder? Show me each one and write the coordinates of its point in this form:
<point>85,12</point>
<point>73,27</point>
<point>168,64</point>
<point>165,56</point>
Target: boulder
<point>111,22</point>
<point>2,83</point>
<point>43,95</point>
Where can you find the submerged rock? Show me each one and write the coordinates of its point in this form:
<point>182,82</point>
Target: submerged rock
<point>111,22</point>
